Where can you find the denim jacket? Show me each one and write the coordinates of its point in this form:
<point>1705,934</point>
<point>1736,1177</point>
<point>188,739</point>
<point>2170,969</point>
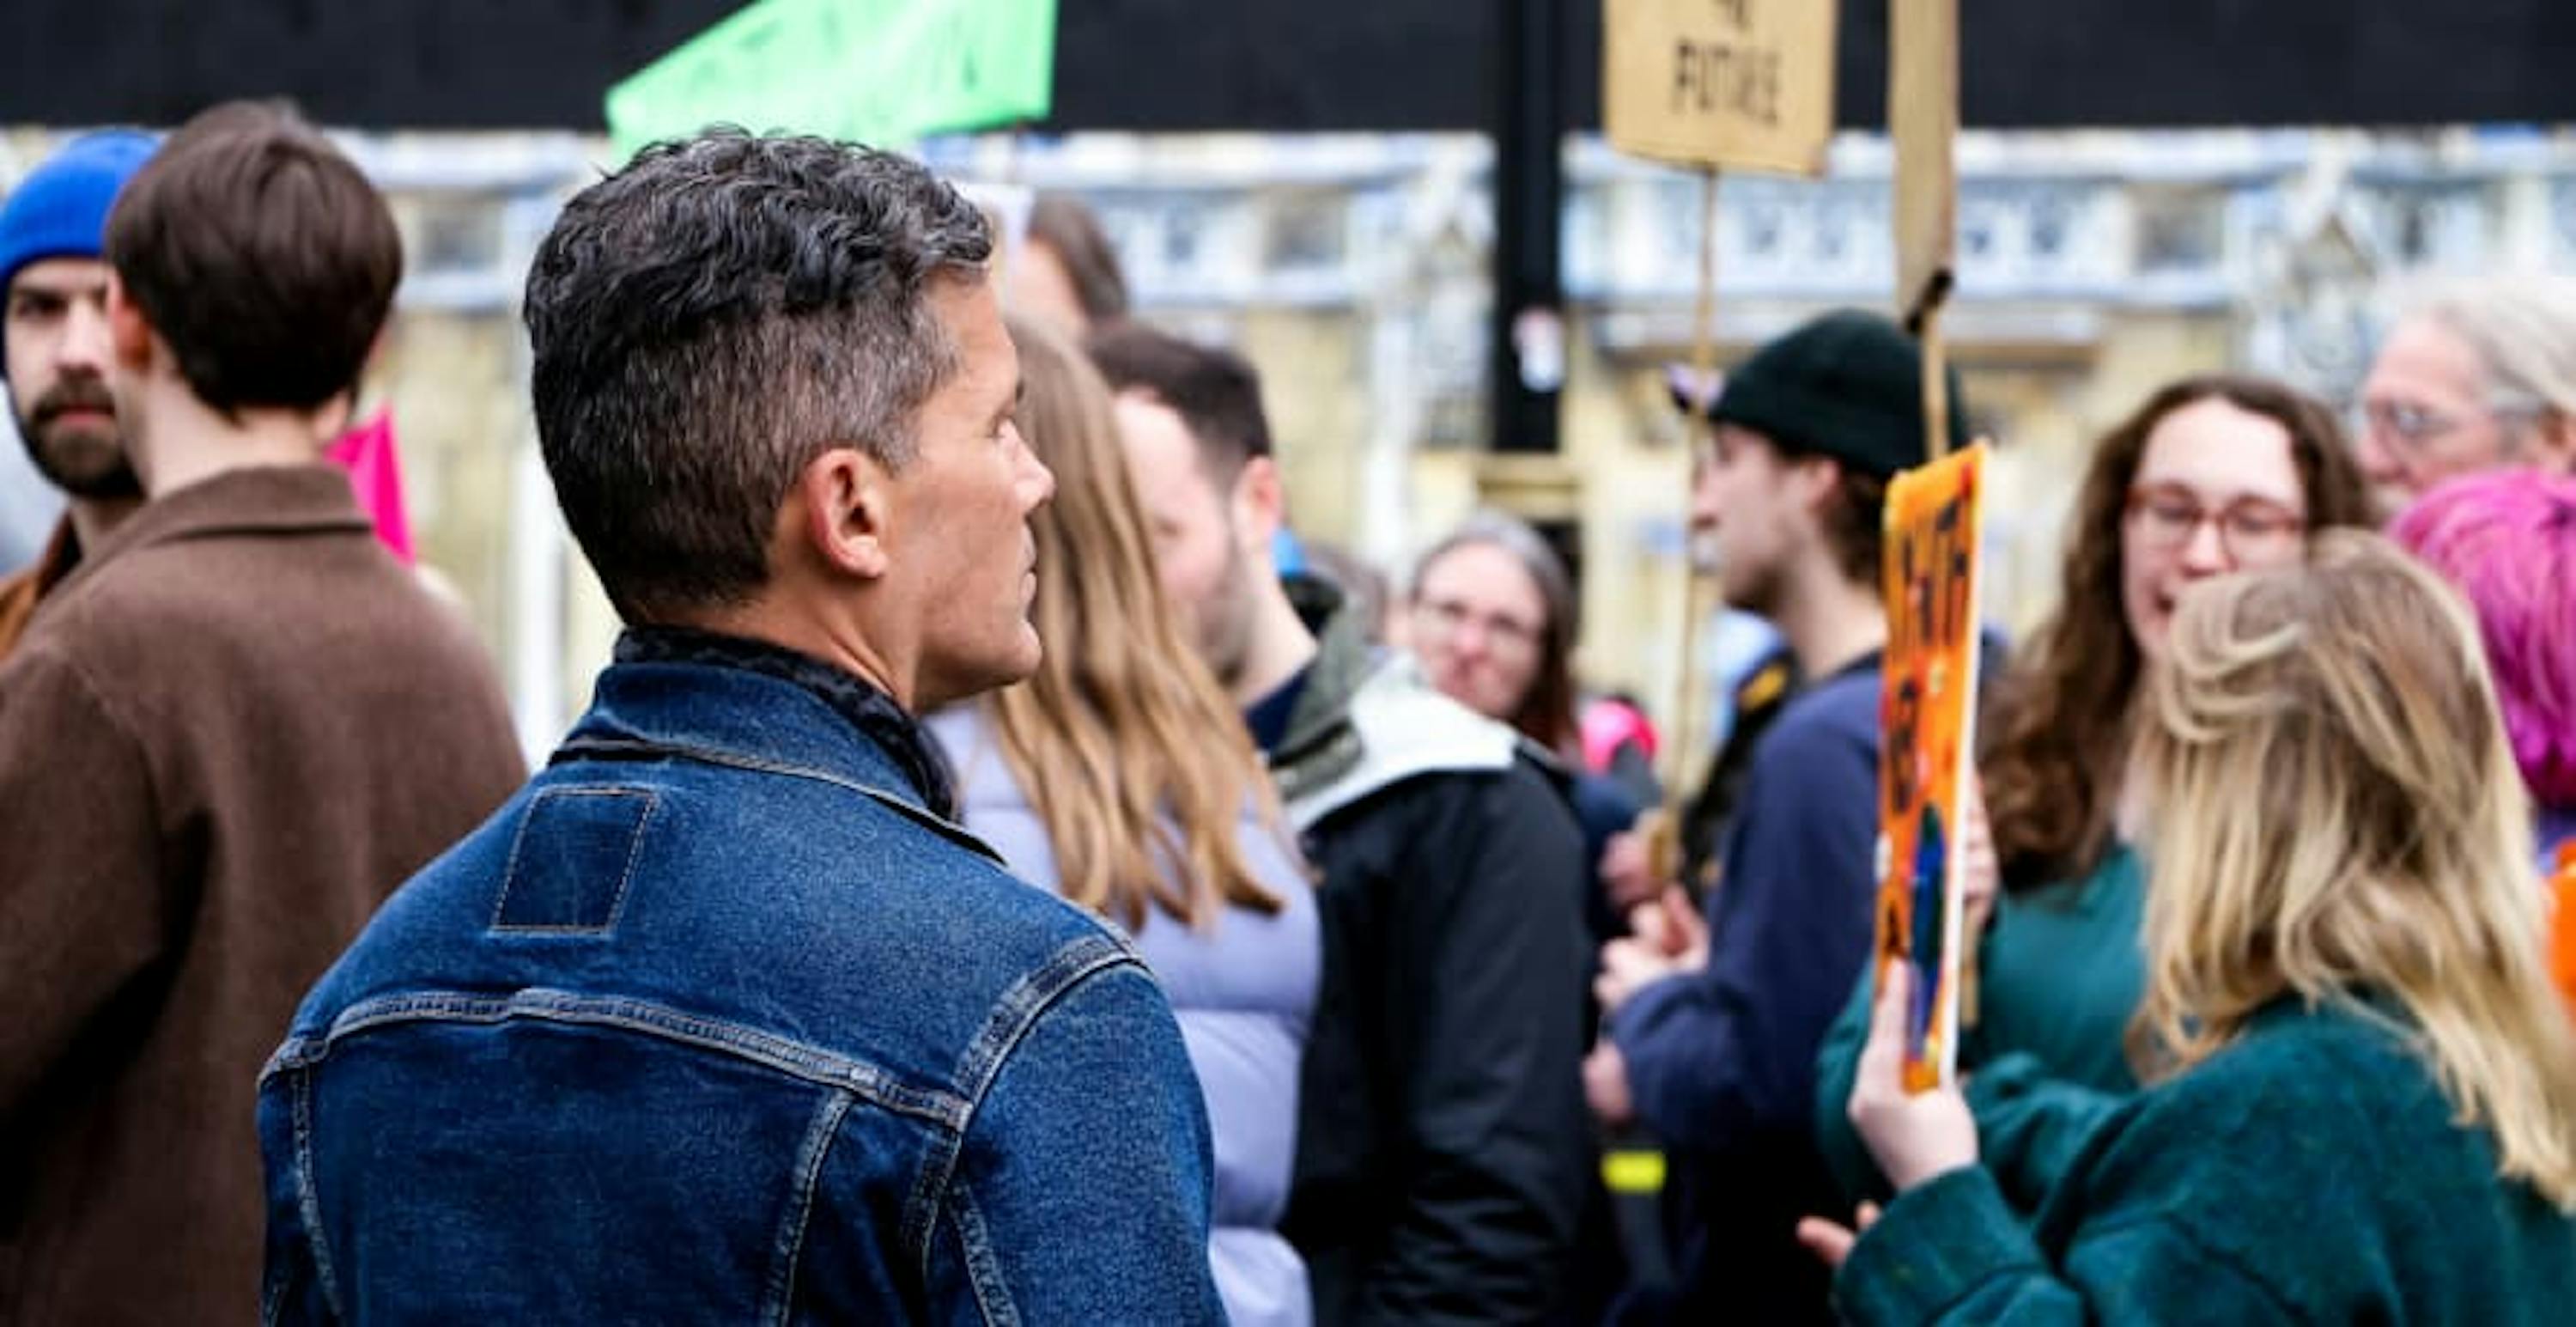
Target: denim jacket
<point>721,1019</point>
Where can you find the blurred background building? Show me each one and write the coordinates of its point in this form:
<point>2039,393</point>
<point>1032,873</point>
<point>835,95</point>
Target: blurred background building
<point>1357,270</point>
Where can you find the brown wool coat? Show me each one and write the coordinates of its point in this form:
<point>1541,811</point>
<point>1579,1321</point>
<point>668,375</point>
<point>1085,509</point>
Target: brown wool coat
<point>224,739</point>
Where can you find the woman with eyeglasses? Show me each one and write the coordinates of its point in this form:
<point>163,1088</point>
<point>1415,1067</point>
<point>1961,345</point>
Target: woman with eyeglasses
<point>1491,614</point>
<point>2213,474</point>
<point>2363,1106</point>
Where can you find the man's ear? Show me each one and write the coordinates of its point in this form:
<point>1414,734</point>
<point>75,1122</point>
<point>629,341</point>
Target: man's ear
<point>1814,479</point>
<point>129,334</point>
<point>845,499</point>
<point>1259,502</point>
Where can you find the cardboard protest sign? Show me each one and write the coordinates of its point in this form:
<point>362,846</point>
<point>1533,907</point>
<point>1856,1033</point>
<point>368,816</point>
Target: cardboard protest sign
<point>873,71</point>
<point>1743,84</point>
<point>1923,122</point>
<point>1927,727</point>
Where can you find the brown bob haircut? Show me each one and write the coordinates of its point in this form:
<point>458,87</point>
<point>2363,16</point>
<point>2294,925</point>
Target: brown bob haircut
<point>260,254</point>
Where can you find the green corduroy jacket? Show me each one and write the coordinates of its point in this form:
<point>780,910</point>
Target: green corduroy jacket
<point>2312,1172</point>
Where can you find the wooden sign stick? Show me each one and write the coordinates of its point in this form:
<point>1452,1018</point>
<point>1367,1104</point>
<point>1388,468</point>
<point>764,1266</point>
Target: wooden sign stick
<point>1925,323</point>
<point>1697,585</point>
<point>1923,123</point>
<point>1699,590</point>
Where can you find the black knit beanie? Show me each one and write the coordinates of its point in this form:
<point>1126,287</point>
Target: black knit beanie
<point>1848,385</point>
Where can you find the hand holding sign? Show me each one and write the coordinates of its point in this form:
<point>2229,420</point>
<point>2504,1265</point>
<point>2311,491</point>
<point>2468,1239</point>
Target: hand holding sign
<point>1914,1136</point>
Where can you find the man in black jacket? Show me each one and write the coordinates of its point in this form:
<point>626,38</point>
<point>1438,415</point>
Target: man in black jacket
<point>1442,1136</point>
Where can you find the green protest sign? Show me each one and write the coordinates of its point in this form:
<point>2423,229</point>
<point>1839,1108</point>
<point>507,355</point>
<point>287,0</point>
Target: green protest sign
<point>873,71</point>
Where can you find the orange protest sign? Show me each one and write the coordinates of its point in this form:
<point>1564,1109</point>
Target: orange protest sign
<point>2562,948</point>
<point>1927,735</point>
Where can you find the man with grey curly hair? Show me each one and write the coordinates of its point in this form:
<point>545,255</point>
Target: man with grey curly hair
<point>723,1018</point>
<point>2477,375</point>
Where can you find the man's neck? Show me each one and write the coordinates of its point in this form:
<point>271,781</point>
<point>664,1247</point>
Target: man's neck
<point>1829,622</point>
<point>94,519</point>
<point>191,442</point>
<point>765,620</point>
<point>1280,645</point>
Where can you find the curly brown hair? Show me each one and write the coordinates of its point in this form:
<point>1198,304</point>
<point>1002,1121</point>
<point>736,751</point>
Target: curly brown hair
<point>2057,730</point>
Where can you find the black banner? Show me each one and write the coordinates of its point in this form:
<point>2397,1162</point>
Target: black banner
<point>1289,65</point>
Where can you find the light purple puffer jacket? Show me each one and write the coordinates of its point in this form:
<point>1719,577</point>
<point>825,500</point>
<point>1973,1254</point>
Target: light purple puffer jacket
<point>1244,993</point>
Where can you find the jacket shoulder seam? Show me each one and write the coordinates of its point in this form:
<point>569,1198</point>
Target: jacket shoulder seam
<point>795,1059</point>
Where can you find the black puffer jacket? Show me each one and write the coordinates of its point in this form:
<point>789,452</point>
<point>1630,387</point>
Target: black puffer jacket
<point>1443,1140</point>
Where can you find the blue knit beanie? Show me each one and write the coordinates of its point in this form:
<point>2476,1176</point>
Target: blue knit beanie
<point>60,209</point>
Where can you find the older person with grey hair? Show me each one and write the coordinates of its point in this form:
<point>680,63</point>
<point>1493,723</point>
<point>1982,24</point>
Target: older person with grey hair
<point>2475,376</point>
<point>1492,614</point>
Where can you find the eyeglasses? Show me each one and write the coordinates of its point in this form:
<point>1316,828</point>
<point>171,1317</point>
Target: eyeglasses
<point>1448,617</point>
<point>2166,516</point>
<point>2412,425</point>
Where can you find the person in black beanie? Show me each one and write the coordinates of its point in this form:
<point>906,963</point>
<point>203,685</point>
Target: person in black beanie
<point>1713,1023</point>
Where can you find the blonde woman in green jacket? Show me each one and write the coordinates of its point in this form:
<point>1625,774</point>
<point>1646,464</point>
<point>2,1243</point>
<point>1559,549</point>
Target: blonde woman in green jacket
<point>2364,1099</point>
<point>2210,475</point>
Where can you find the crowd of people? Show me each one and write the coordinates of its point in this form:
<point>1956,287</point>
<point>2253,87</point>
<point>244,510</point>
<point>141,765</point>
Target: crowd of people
<point>1004,876</point>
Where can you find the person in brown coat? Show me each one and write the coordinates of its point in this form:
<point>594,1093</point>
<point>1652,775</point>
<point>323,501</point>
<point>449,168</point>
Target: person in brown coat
<point>231,731</point>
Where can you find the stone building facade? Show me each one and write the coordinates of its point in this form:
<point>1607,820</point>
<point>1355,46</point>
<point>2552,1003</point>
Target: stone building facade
<point>1352,269</point>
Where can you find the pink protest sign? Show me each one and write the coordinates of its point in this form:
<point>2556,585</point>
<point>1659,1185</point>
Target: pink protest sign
<point>375,475</point>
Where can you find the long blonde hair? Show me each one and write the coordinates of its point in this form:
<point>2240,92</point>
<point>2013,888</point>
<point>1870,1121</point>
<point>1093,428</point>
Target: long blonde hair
<point>1130,753</point>
<point>2336,815</point>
